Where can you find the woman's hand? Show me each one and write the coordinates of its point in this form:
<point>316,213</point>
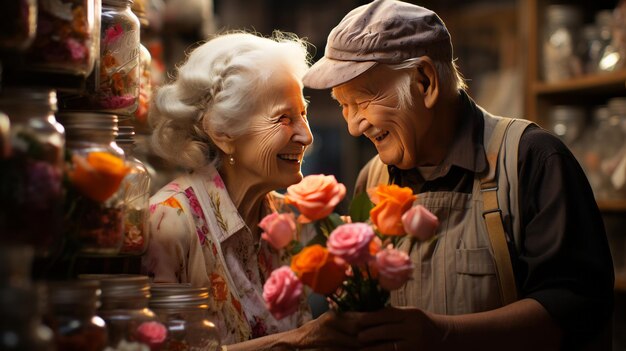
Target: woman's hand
<point>330,331</point>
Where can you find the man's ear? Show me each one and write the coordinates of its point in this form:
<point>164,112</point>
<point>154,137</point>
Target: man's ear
<point>223,141</point>
<point>427,80</point>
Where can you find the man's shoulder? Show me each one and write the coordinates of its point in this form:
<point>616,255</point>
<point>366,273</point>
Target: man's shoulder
<point>538,142</point>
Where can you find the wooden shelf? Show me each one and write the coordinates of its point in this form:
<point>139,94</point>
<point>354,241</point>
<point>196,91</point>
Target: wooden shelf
<point>612,205</point>
<point>606,81</point>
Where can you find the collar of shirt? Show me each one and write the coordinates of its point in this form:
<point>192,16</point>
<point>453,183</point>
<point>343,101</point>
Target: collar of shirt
<point>225,210</point>
<point>466,151</point>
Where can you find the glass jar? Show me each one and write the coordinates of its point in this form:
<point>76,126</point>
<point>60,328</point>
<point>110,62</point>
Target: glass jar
<point>72,315</point>
<point>117,88</point>
<point>560,43</point>
<point>96,169</point>
<point>136,187</point>
<point>18,24</point>
<point>21,328</point>
<point>145,89</point>
<point>184,311</point>
<point>32,144</point>
<point>67,37</point>
<point>130,323</point>
<point>567,122</point>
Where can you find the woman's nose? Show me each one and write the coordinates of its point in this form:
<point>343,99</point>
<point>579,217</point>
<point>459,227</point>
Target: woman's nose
<point>302,133</point>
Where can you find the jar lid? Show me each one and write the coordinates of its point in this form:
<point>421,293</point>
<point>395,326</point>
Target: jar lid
<point>78,292</point>
<point>125,135</point>
<point>121,286</point>
<point>28,97</point>
<point>178,296</point>
<point>84,120</point>
<point>617,105</point>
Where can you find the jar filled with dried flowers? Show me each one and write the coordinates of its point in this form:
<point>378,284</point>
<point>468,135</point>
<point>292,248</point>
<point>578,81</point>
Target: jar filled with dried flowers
<point>94,209</point>
<point>136,187</point>
<point>131,324</point>
<point>32,144</point>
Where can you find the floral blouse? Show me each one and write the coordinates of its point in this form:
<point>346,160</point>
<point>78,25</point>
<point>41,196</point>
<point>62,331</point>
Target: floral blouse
<point>198,237</point>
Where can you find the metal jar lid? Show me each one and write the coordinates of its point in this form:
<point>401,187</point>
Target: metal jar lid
<point>121,286</point>
<point>178,296</point>
<point>78,292</point>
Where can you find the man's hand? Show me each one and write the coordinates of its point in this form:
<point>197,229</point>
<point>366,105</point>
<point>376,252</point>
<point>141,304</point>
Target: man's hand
<point>330,331</point>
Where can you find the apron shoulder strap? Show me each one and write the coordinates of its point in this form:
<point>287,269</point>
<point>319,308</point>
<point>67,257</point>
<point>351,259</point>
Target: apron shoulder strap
<point>493,214</point>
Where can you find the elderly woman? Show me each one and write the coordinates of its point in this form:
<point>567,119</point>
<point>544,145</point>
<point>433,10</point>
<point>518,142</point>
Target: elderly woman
<point>235,118</point>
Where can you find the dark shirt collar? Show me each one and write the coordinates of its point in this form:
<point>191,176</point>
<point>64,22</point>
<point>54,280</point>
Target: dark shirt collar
<point>467,150</point>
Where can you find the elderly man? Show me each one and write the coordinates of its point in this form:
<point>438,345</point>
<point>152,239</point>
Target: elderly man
<point>521,259</point>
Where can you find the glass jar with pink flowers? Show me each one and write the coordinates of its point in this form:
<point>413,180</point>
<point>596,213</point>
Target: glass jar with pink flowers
<point>67,37</point>
<point>184,311</point>
<point>131,324</point>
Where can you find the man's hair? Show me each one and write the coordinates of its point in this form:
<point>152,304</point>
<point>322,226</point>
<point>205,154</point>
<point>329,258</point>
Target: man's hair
<point>448,72</point>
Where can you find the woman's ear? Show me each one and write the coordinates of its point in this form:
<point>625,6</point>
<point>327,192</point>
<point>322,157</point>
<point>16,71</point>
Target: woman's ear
<point>223,141</point>
<point>427,80</point>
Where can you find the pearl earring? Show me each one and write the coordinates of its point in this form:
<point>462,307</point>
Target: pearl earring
<point>231,160</point>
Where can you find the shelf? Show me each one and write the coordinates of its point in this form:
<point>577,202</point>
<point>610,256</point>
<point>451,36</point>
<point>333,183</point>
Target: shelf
<point>611,81</point>
<point>612,205</point>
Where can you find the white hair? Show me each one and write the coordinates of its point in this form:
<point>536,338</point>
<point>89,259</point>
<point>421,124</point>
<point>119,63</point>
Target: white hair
<point>448,72</point>
<point>217,89</point>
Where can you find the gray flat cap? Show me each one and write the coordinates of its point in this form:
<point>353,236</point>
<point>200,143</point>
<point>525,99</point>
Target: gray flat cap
<point>383,31</point>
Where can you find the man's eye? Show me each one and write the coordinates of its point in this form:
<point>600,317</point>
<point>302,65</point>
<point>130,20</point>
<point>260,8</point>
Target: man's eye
<point>364,104</point>
<point>284,119</point>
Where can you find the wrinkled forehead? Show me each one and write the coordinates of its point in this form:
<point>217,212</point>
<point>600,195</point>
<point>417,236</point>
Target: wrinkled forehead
<point>376,80</point>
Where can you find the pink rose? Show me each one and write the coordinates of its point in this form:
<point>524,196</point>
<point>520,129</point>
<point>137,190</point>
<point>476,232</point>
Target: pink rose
<point>351,242</point>
<point>316,195</point>
<point>152,334</point>
<point>282,292</point>
<point>279,229</point>
<point>420,223</point>
<point>394,268</point>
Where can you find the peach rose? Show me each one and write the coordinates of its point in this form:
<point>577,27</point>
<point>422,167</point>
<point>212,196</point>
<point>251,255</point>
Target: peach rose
<point>319,269</point>
<point>394,268</point>
<point>351,242</point>
<point>279,229</point>
<point>282,292</point>
<point>391,203</point>
<point>420,223</point>
<point>316,195</point>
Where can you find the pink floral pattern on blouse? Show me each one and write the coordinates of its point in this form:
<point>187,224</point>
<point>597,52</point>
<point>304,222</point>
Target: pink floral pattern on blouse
<point>198,237</point>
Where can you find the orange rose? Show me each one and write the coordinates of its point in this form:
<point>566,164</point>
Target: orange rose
<point>391,203</point>
<point>99,175</point>
<point>317,268</point>
<point>316,196</point>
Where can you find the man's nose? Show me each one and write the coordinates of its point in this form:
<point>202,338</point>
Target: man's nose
<point>357,125</point>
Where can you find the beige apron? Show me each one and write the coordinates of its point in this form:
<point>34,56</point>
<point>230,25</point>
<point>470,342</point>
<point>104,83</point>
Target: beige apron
<point>456,273</point>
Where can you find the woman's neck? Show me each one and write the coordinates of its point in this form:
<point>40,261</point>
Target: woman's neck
<point>248,198</point>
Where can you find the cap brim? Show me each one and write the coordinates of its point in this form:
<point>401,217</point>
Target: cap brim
<point>327,73</point>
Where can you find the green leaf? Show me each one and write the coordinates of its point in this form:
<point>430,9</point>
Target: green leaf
<point>319,238</point>
<point>360,208</point>
<point>295,247</point>
<point>335,220</point>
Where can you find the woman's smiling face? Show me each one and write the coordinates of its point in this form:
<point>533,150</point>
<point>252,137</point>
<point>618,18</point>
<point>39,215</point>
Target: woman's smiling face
<point>270,153</point>
<point>370,107</point>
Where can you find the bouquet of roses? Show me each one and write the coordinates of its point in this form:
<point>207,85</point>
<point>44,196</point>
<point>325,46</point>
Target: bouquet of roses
<point>351,260</point>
